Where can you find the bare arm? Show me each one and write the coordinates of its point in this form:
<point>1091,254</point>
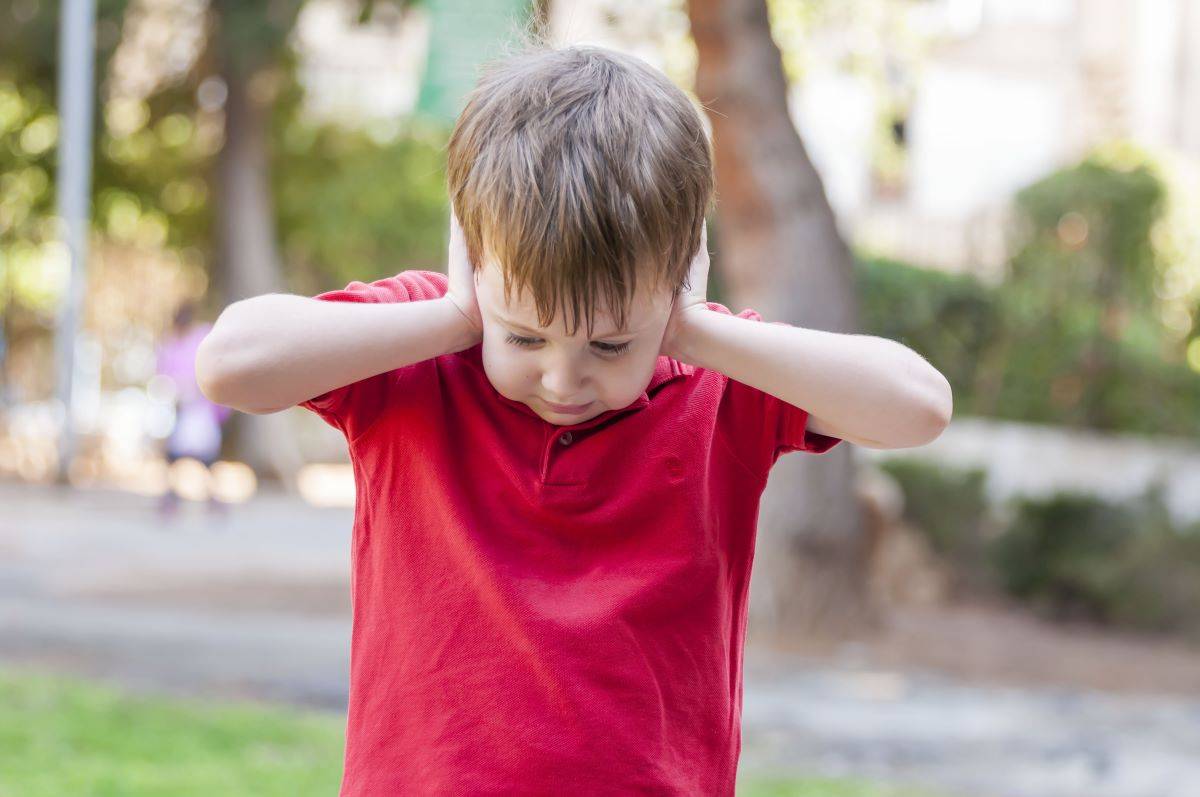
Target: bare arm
<point>270,352</point>
<point>871,391</point>
<point>866,389</point>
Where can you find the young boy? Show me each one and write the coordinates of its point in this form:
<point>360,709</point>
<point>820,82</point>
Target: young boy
<point>559,449</point>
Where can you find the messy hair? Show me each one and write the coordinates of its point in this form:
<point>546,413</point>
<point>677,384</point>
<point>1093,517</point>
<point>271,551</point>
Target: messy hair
<point>580,170</point>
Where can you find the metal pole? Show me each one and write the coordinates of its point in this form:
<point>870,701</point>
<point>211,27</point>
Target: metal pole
<point>76,57</point>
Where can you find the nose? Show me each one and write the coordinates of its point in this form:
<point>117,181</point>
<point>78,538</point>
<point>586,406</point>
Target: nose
<point>561,383</point>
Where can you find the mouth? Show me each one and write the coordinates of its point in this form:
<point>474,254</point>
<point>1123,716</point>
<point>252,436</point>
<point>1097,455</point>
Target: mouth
<point>568,409</point>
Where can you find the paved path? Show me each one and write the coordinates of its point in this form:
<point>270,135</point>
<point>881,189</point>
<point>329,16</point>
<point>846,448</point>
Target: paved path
<point>970,739</point>
<point>254,604</point>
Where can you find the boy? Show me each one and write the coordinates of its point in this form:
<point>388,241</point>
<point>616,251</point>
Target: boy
<point>559,449</point>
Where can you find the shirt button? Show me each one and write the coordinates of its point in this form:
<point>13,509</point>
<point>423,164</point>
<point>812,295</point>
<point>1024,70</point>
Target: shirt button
<point>565,438</point>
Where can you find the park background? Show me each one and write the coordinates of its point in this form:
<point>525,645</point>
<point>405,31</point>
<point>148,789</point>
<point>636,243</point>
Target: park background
<point>1009,187</point>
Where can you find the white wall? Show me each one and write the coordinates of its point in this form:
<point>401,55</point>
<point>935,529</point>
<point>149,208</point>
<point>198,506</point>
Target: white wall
<point>976,137</point>
<point>835,114</point>
<point>1154,60</point>
<point>1023,459</point>
<point>354,73</point>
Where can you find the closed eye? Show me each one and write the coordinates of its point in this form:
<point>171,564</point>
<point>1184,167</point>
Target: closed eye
<point>609,349</point>
<point>612,348</point>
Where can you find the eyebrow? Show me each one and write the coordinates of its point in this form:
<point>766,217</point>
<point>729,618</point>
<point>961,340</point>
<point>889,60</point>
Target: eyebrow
<point>523,328</point>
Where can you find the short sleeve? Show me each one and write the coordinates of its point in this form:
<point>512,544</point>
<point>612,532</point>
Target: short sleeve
<point>760,427</point>
<point>353,408</point>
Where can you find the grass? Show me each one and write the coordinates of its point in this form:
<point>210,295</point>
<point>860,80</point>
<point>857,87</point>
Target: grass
<point>62,736</point>
<point>783,786</point>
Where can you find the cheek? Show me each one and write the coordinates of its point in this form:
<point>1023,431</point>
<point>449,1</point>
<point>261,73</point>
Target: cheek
<point>505,366</point>
<point>627,379</point>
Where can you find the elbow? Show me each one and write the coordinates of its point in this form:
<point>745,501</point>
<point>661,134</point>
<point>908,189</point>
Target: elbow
<point>221,368</point>
<point>944,402</point>
<point>212,374</point>
<point>220,383</point>
<point>929,411</point>
<point>228,370</point>
<point>939,408</point>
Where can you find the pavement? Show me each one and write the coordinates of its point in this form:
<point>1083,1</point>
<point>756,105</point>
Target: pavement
<point>253,604</point>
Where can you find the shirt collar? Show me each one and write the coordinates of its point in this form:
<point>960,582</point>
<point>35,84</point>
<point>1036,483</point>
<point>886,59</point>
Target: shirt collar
<point>666,369</point>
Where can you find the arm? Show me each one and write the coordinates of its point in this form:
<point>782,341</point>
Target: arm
<point>864,389</point>
<point>868,390</point>
<point>270,352</point>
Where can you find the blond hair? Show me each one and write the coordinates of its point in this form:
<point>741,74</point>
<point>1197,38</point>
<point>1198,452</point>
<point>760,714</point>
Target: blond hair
<point>580,170</point>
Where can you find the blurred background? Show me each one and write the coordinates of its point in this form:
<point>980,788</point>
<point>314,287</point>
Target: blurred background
<point>1009,187</point>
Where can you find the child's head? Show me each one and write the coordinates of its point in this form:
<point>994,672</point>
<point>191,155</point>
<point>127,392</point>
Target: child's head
<point>580,177</point>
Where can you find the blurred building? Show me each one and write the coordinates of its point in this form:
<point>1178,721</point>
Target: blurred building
<point>1007,91</point>
<point>421,60</point>
<point>356,72</point>
<point>999,93</point>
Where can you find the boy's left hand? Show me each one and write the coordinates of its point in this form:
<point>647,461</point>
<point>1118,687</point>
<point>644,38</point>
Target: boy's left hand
<point>689,302</point>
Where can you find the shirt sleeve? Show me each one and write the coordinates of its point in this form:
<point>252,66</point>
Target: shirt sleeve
<point>760,427</point>
<point>354,407</point>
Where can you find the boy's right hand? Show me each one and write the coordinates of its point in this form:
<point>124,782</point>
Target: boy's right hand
<point>461,290</point>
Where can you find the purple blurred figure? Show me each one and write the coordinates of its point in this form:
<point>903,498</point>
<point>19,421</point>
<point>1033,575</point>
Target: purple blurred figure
<point>197,429</point>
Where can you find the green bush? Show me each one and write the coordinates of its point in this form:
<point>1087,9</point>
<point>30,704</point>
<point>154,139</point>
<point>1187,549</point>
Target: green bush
<point>1063,554</point>
<point>1124,564</point>
<point>350,207</point>
<point>998,370</point>
<point>1160,590</point>
<point>949,318</point>
<point>1073,335</point>
<point>949,506</point>
<point>1069,556</point>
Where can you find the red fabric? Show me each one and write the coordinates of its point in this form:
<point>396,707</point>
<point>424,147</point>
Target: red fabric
<point>540,615</point>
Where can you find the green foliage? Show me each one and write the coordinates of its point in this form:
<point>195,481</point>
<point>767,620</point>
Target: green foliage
<point>950,507</point>
<point>1160,585</point>
<point>29,38</point>
<point>1062,553</point>
<point>28,133</point>
<point>1077,556</point>
<point>254,35</point>
<point>351,208</point>
<point>1068,555</point>
<point>949,318</point>
<point>350,204</point>
<point>1074,336</point>
<point>1079,302</point>
<point>149,176</point>
<point>29,130</point>
<point>356,203</point>
<point>1087,245</point>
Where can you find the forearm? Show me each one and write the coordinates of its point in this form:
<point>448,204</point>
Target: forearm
<point>873,388</point>
<point>270,352</point>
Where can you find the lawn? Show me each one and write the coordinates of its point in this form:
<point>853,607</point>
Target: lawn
<point>62,736</point>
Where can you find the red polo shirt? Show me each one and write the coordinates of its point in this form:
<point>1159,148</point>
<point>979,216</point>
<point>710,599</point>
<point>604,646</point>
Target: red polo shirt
<point>542,609</point>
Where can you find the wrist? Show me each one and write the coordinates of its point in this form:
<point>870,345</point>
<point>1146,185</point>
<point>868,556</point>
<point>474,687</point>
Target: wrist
<point>461,331</point>
<point>685,333</point>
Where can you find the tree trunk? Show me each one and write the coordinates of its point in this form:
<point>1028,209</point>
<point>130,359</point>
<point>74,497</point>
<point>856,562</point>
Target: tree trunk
<point>781,253</point>
<point>248,257</point>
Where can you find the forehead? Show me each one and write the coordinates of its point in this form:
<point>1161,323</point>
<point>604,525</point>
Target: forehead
<point>520,308</point>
